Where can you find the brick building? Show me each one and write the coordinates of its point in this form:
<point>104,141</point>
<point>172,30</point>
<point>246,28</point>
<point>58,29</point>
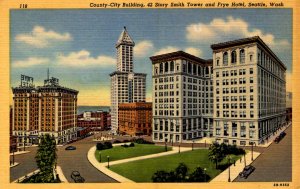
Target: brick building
<point>135,118</point>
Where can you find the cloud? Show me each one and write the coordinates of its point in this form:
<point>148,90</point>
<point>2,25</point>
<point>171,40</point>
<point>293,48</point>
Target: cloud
<point>194,51</point>
<point>83,58</point>
<point>219,29</point>
<point>169,49</point>
<point>41,38</point>
<point>31,61</point>
<point>143,48</point>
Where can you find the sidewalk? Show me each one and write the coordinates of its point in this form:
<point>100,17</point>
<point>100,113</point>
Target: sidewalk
<point>61,174</point>
<point>20,152</point>
<point>272,137</point>
<point>15,164</point>
<point>235,170</point>
<point>102,166</point>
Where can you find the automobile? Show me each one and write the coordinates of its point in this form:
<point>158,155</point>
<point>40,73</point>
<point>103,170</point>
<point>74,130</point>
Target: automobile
<point>282,134</point>
<point>247,171</point>
<point>70,148</point>
<point>77,177</point>
<point>277,139</point>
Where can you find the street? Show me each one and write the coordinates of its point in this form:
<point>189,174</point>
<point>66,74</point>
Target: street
<point>275,163</point>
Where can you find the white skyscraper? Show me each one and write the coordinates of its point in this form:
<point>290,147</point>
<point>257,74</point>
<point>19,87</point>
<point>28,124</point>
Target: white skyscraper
<point>126,86</point>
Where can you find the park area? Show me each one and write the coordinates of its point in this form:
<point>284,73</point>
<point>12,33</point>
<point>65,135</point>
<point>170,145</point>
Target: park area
<point>143,170</point>
<point>120,152</point>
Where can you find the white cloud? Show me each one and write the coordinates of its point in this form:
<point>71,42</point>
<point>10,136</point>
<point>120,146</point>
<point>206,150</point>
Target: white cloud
<point>41,38</point>
<point>31,61</point>
<point>219,29</point>
<point>169,49</point>
<point>143,48</point>
<point>83,58</point>
<point>194,51</point>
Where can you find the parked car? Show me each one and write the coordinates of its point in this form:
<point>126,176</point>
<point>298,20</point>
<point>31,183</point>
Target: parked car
<point>70,148</point>
<point>77,177</point>
<point>277,139</point>
<point>247,171</point>
<point>282,134</point>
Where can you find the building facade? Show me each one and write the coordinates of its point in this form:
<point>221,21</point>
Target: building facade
<point>126,86</point>
<point>182,97</point>
<point>49,109</point>
<point>249,91</point>
<point>135,118</point>
<point>97,120</point>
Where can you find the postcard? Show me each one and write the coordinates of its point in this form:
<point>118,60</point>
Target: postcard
<point>149,94</point>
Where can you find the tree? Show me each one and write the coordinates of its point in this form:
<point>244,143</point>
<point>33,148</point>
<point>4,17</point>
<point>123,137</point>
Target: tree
<point>216,153</point>
<point>160,176</point>
<point>46,158</point>
<point>198,176</point>
<point>181,172</point>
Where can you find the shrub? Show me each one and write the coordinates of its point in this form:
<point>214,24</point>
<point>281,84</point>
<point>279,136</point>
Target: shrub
<point>117,141</point>
<point>131,144</point>
<point>125,145</point>
<point>106,145</point>
<point>142,141</point>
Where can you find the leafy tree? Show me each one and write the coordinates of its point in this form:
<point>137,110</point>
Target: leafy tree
<point>160,176</point>
<point>46,158</point>
<point>216,153</point>
<point>181,172</point>
<point>198,176</point>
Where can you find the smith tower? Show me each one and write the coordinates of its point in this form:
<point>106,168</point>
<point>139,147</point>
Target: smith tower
<point>126,86</point>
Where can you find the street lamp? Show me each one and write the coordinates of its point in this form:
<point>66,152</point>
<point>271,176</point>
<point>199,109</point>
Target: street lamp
<point>179,148</point>
<point>24,142</point>
<point>229,180</point>
<point>13,158</point>
<point>251,151</point>
<point>204,174</point>
<point>100,156</point>
<point>107,161</point>
<point>193,145</point>
<point>166,145</point>
<point>245,158</point>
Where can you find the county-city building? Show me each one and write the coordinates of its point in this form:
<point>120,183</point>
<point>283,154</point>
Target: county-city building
<point>249,91</point>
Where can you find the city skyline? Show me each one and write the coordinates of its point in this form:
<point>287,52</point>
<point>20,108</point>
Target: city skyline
<point>82,54</point>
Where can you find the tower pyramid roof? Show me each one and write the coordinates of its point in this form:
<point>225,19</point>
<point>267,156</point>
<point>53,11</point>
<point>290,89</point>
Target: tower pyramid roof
<point>125,38</point>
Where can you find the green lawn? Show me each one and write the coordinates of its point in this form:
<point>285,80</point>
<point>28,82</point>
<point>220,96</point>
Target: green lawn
<point>119,152</point>
<point>142,170</point>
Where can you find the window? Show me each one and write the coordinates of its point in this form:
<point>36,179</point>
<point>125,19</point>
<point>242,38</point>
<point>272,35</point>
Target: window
<point>251,79</point>
<point>233,57</point>
<point>161,68</point>
<point>242,56</point>
<point>251,71</point>
<point>217,82</point>
<point>251,57</point>
<point>225,58</point>
<point>251,89</point>
<point>218,62</point>
<point>189,67</point>
<point>172,66</point>
<point>166,67</point>
<point>217,74</point>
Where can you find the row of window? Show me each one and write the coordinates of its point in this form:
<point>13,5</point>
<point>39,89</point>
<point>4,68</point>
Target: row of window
<point>234,72</point>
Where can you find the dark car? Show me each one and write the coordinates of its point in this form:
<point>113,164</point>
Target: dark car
<point>70,148</point>
<point>282,134</point>
<point>77,177</point>
<point>247,171</point>
<point>277,139</point>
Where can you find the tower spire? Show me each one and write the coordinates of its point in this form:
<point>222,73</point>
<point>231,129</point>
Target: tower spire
<point>48,74</point>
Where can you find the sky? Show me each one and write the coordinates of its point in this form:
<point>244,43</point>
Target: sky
<point>78,45</point>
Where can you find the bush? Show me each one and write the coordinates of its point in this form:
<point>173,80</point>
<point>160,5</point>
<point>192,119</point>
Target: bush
<point>106,145</point>
<point>181,175</point>
<point>117,141</point>
<point>142,141</point>
<point>131,144</point>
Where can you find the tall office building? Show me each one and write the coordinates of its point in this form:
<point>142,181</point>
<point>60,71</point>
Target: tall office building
<point>182,97</point>
<point>126,86</point>
<point>49,109</point>
<point>249,91</point>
